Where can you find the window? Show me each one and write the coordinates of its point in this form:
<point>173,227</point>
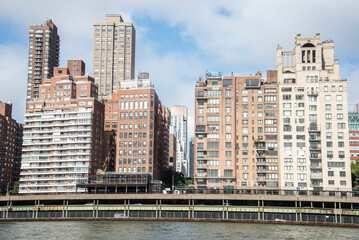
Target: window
<point>340,116</point>
<point>339,106</point>
<point>227,83</point>
<point>328,98</point>
<point>300,113</point>
<point>287,105</point>
<point>270,98</point>
<point>340,144</point>
<point>328,106</point>
<point>339,97</point>
<point>329,135</point>
<point>287,97</point>
<point>331,173</point>
<point>287,112</point>
<point>341,125</point>
<point>328,116</point>
<point>312,107</point>
<point>244,99</point>
<point>288,175</point>
<point>228,101</point>
<point>336,164</point>
<point>342,173</point>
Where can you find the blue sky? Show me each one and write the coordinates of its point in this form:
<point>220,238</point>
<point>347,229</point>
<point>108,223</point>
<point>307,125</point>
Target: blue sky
<point>177,41</point>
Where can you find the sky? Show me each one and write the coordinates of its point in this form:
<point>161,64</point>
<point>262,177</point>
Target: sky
<point>178,41</point>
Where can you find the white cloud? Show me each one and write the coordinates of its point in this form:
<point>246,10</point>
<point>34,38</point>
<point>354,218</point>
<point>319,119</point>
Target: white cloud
<point>173,76</point>
<point>242,40</point>
<point>13,77</point>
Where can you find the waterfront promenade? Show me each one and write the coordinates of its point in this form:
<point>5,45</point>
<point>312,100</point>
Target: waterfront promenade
<point>268,207</point>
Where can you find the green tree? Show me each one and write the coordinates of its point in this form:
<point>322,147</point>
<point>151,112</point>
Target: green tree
<point>355,172</point>
<point>15,189</point>
<point>167,174</point>
<point>189,181</point>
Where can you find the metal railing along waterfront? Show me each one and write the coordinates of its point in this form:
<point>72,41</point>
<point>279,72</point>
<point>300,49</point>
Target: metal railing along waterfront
<point>269,191</point>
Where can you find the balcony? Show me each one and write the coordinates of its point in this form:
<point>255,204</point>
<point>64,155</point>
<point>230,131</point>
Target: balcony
<point>260,147</point>
<point>313,127</point>
<point>315,147</point>
<point>316,176</point>
<point>314,139</point>
<point>200,129</point>
<point>312,92</point>
<point>318,166</point>
<point>315,156</point>
<point>200,95</point>
<point>203,167</point>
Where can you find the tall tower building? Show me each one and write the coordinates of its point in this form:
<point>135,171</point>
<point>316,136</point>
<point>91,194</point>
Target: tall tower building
<point>63,134</point>
<point>44,51</point>
<point>179,119</point>
<point>314,139</point>
<point>113,53</point>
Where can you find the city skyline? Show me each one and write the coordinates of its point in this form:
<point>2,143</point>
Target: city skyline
<point>174,48</point>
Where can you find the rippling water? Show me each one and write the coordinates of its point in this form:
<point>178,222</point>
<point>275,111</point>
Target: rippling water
<point>168,230</point>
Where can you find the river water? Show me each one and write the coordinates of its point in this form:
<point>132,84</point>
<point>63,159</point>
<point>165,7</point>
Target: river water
<point>167,230</point>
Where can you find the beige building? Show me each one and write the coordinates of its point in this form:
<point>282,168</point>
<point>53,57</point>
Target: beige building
<point>113,53</point>
<point>236,132</point>
<point>63,134</point>
<point>44,51</point>
<point>314,139</point>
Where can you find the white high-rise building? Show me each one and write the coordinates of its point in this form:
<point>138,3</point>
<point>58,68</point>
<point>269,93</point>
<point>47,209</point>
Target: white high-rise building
<point>63,134</point>
<point>314,139</point>
<point>179,118</point>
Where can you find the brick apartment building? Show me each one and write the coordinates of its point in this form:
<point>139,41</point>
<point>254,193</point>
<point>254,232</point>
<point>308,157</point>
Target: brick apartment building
<point>10,147</point>
<point>63,133</point>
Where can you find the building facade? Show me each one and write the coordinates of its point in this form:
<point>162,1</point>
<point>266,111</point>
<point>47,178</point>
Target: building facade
<point>313,117</point>
<point>191,158</point>
<point>236,132</point>
<point>353,118</point>
<point>113,53</point>
<point>172,148</point>
<point>44,51</point>
<point>179,119</point>
<point>63,135</point>
<point>142,128</point>
<point>10,147</point>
